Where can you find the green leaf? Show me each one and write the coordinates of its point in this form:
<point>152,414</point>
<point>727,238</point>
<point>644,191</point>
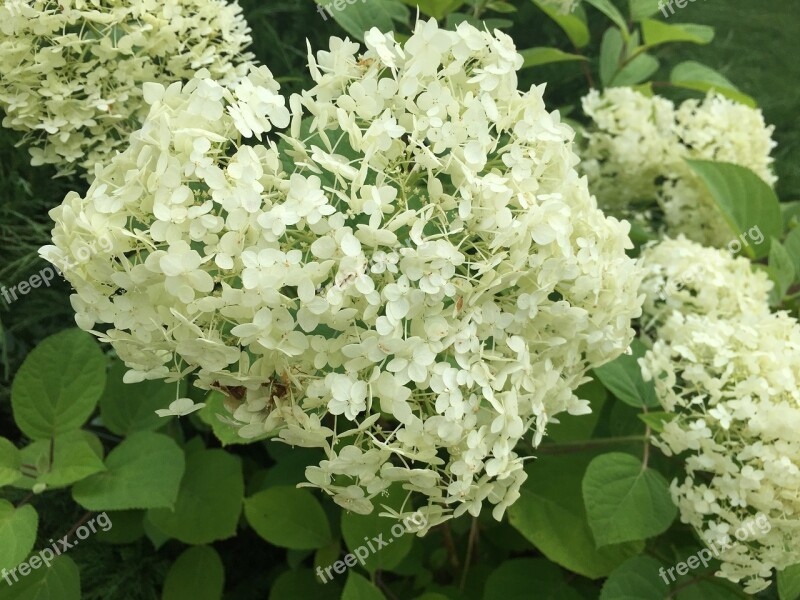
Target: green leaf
<point>512,581</point>
<point>641,9</point>
<point>792,246</point>
<point>359,588</point>
<point>610,55</point>
<point>302,583</point>
<point>438,9</point>
<point>551,515</point>
<point>144,471</point>
<point>10,461</point>
<point>580,427</point>
<point>289,517</point>
<point>745,201</point>
<point>129,407</point>
<point>543,56</point>
<point>623,378</point>
<point>197,574</point>
<point>359,17</point>
<point>611,11</point>
<point>573,24</point>
<point>712,589</point>
<point>789,583</point>
<point>128,527</point>
<point>74,458</point>
<point>636,579</point>
<point>625,501</point>
<point>658,32</point>
<point>696,76</point>
<point>209,501</point>
<point>656,420</point>
<point>212,414</point>
<point>17,533</point>
<point>636,70</point>
<point>781,269</point>
<point>57,387</point>
<point>360,532</point>
<point>60,581</point>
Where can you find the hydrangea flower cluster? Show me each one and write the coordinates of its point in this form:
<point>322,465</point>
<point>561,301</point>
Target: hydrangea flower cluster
<point>636,148</point>
<point>729,372</point>
<point>683,276</point>
<point>414,278</point>
<point>72,70</point>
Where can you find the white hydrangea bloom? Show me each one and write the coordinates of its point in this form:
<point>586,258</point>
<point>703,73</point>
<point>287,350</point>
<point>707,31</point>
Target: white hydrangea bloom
<point>413,280</point>
<point>72,70</point>
<point>636,149</point>
<point>734,386</point>
<point>683,276</point>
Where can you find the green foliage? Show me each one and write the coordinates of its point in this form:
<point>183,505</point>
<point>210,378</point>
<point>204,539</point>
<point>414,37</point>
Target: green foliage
<point>623,378</point>
<point>197,574</point>
<point>288,517</point>
<point>60,581</point>
<point>17,533</point>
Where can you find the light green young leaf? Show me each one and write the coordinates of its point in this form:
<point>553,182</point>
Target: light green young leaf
<point>624,501</point>
<point>696,76</point>
<point>745,201</point>
<point>658,32</point>
<point>288,517</point>
<point>636,70</point>
<point>74,458</point>
<point>656,420</point>
<point>144,471</point>
<point>360,588</point>
<point>10,461</point>
<point>635,579</point>
<point>792,245</point>
<point>57,387</point>
<point>543,56</point>
<point>623,378</point>
<point>60,581</point>
<point>573,24</point>
<point>18,528</point>
<point>209,501</point>
<point>197,574</point>
<point>610,55</point>
<point>550,513</point>
<point>641,9</point>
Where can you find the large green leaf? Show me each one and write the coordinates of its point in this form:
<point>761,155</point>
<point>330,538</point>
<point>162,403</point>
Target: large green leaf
<point>610,54</point>
<point>302,583</point>
<point>209,501</point>
<point>360,588</point>
<point>573,24</point>
<point>636,579</point>
<point>289,517</point>
<point>57,387</point>
<point>60,581</point>
<point>623,378</point>
<point>197,574</point>
<point>10,461</point>
<point>693,75</point>
<point>17,533</point>
<point>512,581</point>
<point>625,501</point>
<point>745,200</point>
<point>358,17</point>
<point>438,9</point>
<point>551,515</point>
<point>129,407</point>
<point>75,457</point>
<point>144,471</point>
<point>789,583</point>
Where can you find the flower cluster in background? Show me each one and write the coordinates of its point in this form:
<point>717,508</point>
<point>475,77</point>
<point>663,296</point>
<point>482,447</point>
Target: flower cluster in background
<point>635,153</point>
<point>72,72</point>
<point>729,372</point>
<point>413,279</point>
